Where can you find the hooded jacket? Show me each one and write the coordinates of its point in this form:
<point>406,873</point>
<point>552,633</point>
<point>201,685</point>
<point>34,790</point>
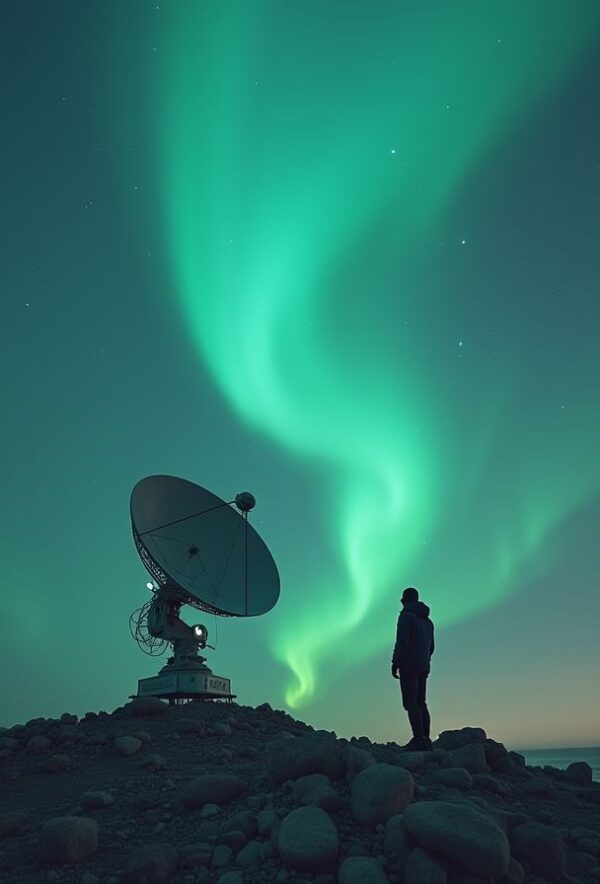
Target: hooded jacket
<point>414,636</point>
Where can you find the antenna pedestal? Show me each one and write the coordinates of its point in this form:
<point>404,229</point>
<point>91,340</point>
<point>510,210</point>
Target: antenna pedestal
<point>186,684</point>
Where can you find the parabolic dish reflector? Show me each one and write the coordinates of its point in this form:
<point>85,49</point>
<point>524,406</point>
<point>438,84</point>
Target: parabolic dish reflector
<point>200,546</point>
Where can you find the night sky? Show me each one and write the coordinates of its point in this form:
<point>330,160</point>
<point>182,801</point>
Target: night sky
<point>344,255</point>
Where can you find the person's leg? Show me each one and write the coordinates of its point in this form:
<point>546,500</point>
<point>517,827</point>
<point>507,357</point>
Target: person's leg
<point>409,682</point>
<point>421,702</point>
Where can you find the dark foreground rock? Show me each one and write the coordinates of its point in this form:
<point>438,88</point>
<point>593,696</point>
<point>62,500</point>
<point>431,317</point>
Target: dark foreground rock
<point>228,794</point>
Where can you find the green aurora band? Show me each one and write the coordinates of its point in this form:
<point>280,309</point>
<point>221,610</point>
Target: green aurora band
<point>304,153</point>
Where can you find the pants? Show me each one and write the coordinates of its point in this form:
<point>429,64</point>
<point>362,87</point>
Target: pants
<point>413,684</point>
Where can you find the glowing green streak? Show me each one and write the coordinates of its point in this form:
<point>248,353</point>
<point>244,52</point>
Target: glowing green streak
<point>280,151</point>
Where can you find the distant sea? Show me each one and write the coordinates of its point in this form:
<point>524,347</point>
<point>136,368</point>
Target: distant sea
<point>562,758</point>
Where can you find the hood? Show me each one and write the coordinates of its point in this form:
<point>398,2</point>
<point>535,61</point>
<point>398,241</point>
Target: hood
<point>417,608</point>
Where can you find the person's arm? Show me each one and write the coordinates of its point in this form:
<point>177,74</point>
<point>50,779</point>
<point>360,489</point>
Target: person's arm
<point>402,638</point>
<point>432,642</point>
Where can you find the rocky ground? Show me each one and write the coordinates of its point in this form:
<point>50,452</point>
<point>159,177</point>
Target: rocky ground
<point>228,794</point>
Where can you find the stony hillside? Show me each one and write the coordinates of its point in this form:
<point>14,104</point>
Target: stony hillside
<point>232,794</point>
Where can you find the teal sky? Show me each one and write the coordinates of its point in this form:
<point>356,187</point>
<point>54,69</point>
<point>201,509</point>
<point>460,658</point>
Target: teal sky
<point>344,255</point>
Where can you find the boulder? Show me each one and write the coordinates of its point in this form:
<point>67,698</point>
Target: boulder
<point>291,758</point>
<point>514,873</point>
<point>457,777</point>
<point>308,839</point>
<point>38,744</point>
<point>536,786</point>
<point>357,760</point>
<point>471,757</point>
<point>423,868</point>
<point>68,839</point>
<point>151,864</point>
<point>316,790</point>
<point>55,763</point>
<point>458,738</point>
<point>379,792</point>
<point>154,762</point>
<point>127,745</point>
<point>244,821</point>
<point>541,847</point>
<point>490,784</point>
<point>222,729</point>
<point>361,870</point>
<point>209,788</point>
<point>410,760</point>
<point>396,840</point>
<point>461,834</point>
<point>580,773</point>
<point>266,820</point>
<point>147,706</point>
<point>221,856</point>
<point>250,856</point>
<point>97,799</point>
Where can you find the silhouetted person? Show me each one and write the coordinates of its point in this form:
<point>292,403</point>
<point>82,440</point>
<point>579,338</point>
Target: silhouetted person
<point>410,662</point>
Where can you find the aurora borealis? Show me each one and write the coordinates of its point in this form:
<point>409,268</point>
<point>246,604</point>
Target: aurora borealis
<point>343,255</point>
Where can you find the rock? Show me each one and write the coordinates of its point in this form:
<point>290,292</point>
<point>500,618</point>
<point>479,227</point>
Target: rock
<point>96,800</point>
<point>153,762</point>
<point>461,834</point>
<point>361,870</point>
<point>147,706</point>
<point>536,786</point>
<point>68,718</point>
<point>231,878</point>
<point>410,760</point>
<point>151,864</point>
<point>38,744</point>
<point>459,738</point>
<point>316,790</point>
<point>358,849</point>
<point>457,777</point>
<point>250,856</point>
<point>589,845</point>
<point>423,868</point>
<point>144,736</point>
<point>222,856</point>
<point>514,873</point>
<point>308,839</point>
<point>12,822</point>
<point>194,726</point>
<point>127,745</point>
<point>357,760</point>
<point>581,863</point>
<point>55,763</point>
<point>490,784</point>
<point>68,839</point>
<point>471,757</point>
<point>579,772</point>
<point>209,788</point>
<point>518,759</point>
<point>396,840</point>
<point>221,729</point>
<point>210,810</point>
<point>193,855</point>
<point>289,758</point>
<point>379,792</point>
<point>541,847</point>
<point>88,878</point>
<point>244,821</point>
<point>266,820</point>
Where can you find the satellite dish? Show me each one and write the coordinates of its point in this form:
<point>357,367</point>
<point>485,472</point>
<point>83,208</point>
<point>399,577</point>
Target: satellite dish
<point>201,551</point>
<point>203,548</point>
